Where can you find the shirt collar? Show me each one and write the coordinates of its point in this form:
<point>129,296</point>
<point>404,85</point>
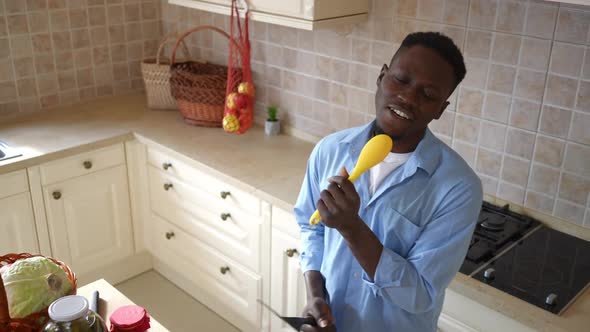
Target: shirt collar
<point>426,156</point>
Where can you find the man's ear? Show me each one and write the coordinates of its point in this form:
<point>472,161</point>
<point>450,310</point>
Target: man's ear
<point>384,70</point>
<point>442,110</point>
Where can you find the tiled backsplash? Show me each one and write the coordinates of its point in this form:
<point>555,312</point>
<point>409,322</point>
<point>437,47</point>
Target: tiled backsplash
<point>55,52</point>
<point>521,118</point>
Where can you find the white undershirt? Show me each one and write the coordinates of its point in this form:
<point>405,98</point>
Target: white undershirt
<point>380,171</point>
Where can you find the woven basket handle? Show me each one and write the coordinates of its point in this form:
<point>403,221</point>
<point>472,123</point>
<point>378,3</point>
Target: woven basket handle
<point>4,316</point>
<point>163,43</point>
<point>199,28</point>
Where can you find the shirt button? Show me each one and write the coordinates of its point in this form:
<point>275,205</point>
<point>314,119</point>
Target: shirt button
<point>356,275</point>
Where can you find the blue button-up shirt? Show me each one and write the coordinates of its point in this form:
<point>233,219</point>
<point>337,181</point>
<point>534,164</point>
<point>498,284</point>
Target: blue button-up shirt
<point>423,213</point>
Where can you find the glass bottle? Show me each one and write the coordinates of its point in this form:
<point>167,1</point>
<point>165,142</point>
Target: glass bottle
<point>71,314</point>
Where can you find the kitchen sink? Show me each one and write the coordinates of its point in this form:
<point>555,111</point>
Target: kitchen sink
<point>6,152</point>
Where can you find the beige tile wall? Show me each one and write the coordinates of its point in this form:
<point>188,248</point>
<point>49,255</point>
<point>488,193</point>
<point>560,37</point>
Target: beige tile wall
<point>55,52</point>
<point>521,118</point>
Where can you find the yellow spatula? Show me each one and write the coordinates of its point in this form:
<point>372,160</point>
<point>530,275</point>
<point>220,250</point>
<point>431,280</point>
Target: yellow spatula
<point>376,149</point>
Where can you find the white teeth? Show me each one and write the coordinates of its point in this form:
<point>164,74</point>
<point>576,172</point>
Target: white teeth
<point>400,113</point>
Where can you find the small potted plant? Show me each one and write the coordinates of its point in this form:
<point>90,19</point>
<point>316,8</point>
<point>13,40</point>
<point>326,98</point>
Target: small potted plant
<point>273,125</point>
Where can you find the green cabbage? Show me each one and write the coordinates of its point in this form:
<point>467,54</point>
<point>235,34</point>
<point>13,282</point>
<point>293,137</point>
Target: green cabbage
<point>32,284</point>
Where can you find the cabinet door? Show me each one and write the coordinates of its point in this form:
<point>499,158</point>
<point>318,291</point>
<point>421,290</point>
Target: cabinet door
<point>293,8</point>
<point>89,219</point>
<point>18,225</point>
<point>287,284</point>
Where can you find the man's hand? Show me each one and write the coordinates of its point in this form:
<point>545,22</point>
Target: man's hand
<point>318,309</point>
<point>339,203</point>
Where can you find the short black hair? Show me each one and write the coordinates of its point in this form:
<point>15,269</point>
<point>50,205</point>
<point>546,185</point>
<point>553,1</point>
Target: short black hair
<point>441,44</point>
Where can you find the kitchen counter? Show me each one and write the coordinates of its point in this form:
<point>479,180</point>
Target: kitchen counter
<point>270,167</point>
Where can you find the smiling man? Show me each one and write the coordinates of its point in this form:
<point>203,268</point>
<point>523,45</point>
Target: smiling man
<point>389,246</point>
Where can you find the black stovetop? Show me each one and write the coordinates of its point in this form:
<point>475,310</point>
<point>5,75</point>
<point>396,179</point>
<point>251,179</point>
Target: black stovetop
<point>542,266</point>
<point>497,228</point>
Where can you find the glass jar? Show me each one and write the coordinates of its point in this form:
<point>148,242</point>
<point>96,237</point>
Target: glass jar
<point>71,314</point>
<point>130,318</point>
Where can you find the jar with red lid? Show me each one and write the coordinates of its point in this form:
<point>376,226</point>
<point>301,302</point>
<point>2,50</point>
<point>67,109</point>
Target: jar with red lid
<point>130,318</point>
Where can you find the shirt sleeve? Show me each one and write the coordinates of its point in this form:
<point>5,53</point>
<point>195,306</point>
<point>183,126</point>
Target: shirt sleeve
<point>312,236</point>
<point>416,282</point>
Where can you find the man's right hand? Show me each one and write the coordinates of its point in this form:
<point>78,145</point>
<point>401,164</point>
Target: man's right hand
<point>320,310</point>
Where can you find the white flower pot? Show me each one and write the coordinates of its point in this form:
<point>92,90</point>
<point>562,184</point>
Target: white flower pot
<point>272,128</point>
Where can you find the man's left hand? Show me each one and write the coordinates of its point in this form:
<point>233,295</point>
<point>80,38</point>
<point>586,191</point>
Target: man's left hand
<point>339,203</point>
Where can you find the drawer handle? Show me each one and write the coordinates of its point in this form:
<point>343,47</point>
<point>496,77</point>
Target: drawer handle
<point>224,216</point>
<point>169,235</point>
<point>224,194</point>
<point>87,164</point>
<point>224,270</point>
<point>165,166</point>
<point>56,195</point>
<point>291,252</point>
<point>167,186</point>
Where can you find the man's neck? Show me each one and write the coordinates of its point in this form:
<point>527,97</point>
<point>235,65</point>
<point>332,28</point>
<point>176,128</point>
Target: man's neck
<point>400,144</point>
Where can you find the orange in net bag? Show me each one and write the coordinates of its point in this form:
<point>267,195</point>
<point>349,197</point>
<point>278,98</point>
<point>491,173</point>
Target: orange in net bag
<point>239,102</point>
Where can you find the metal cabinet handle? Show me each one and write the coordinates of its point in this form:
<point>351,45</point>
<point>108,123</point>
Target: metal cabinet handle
<point>291,252</point>
<point>87,164</point>
<point>224,194</point>
<point>224,216</point>
<point>165,166</point>
<point>169,235</point>
<point>56,195</point>
<point>224,269</point>
<point>167,186</point>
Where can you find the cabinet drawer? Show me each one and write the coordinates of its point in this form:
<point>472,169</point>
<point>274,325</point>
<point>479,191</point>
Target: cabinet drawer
<point>81,164</point>
<point>233,232</point>
<point>285,221</point>
<point>226,287</point>
<point>13,183</point>
<point>220,191</point>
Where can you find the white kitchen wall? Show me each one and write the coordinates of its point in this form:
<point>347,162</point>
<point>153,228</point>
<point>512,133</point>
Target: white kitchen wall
<point>520,118</point>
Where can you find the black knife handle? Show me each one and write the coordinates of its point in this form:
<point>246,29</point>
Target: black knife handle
<point>297,322</point>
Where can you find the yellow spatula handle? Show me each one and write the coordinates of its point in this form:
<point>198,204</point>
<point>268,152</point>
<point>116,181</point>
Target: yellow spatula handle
<point>315,218</point>
<point>376,149</point>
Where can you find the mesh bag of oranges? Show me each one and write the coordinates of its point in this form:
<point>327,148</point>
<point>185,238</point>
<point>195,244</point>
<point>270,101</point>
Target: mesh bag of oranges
<point>239,102</point>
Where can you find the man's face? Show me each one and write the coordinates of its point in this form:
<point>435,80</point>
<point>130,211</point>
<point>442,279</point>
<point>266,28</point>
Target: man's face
<point>411,93</point>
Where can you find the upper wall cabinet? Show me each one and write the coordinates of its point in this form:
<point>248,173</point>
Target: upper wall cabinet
<point>575,2</point>
<point>300,14</point>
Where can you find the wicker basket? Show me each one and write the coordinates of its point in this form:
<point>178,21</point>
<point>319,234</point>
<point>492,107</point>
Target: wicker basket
<point>199,88</point>
<point>156,76</point>
<point>33,322</point>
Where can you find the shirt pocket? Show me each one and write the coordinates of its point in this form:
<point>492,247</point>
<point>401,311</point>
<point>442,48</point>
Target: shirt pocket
<point>399,233</point>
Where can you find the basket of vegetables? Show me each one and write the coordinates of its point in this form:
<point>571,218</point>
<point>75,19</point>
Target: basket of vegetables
<point>28,285</point>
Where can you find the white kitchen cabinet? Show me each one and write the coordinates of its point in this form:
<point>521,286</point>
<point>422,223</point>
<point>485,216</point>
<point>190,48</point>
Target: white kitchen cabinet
<point>220,283</point>
<point>574,2</point>
<point>301,14</point>
<point>89,219</point>
<point>208,237</point>
<point>288,293</point>
<point>18,225</point>
<point>204,218</point>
